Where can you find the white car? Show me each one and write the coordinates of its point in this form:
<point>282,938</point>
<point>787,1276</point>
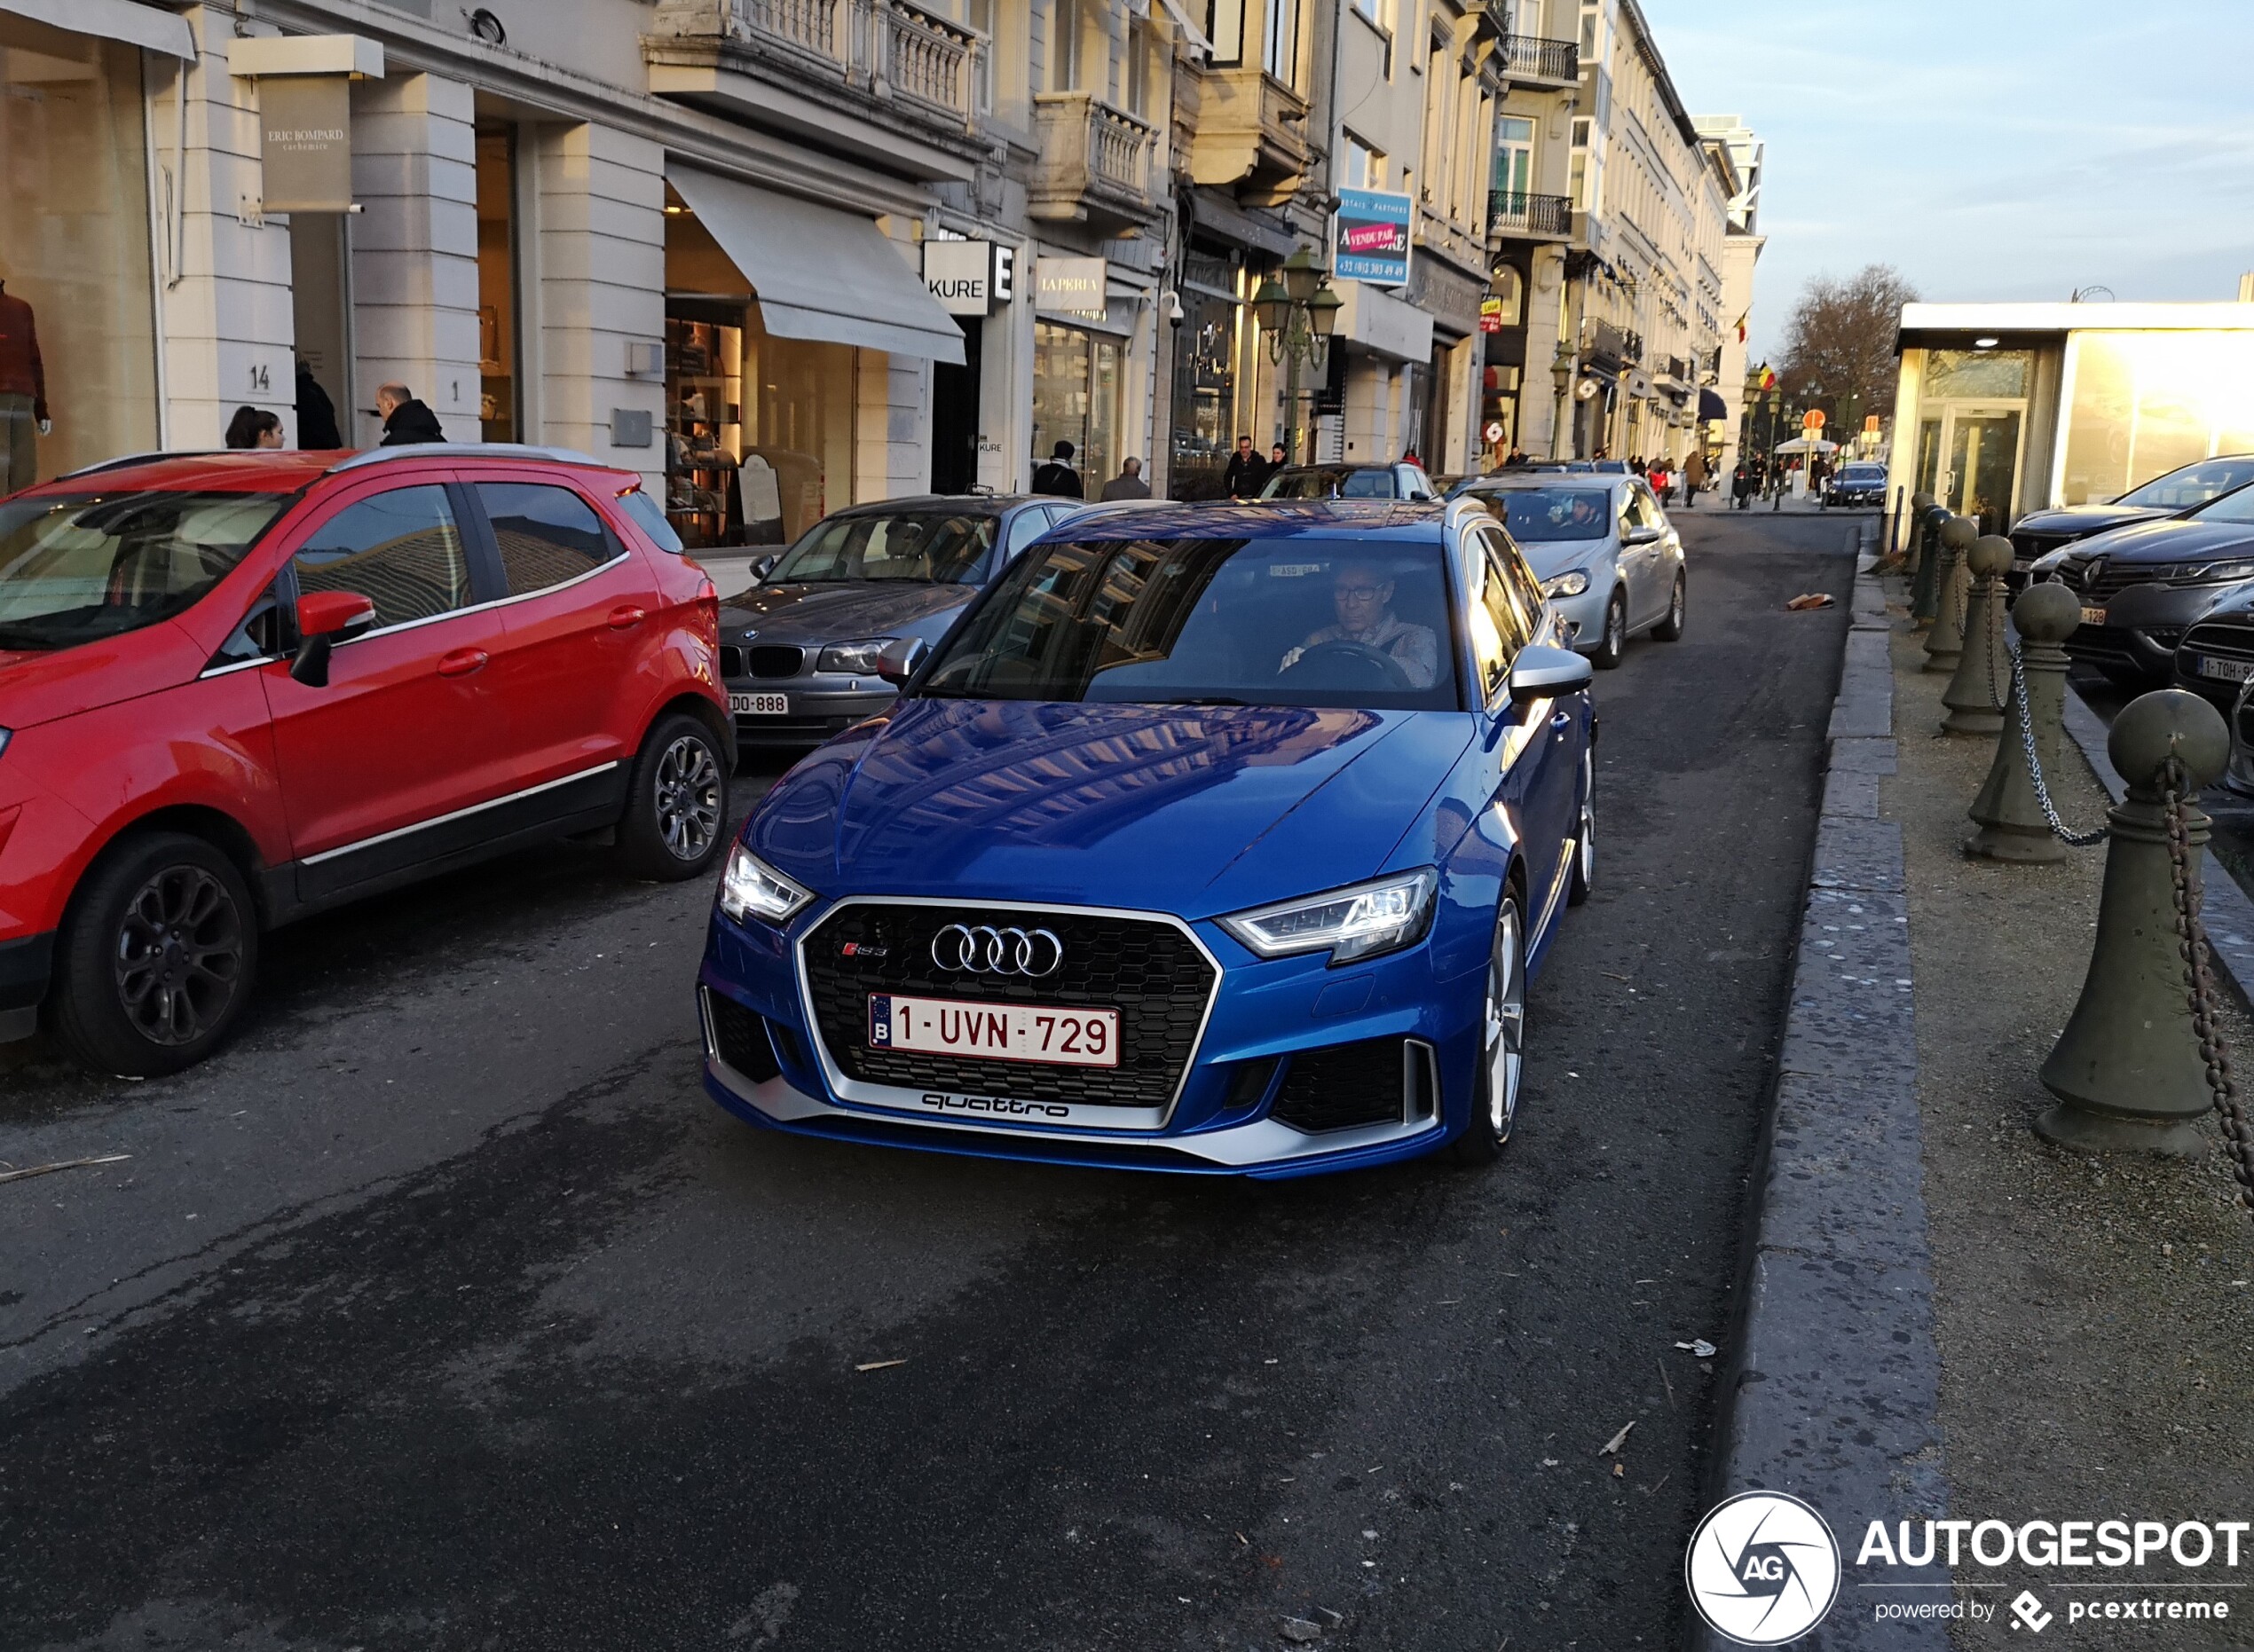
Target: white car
<point>1609,560</point>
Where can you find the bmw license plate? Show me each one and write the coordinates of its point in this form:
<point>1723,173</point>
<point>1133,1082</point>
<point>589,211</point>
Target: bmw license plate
<point>994,1032</point>
<point>2227,671</point>
<point>759,704</point>
<point>2093,617</point>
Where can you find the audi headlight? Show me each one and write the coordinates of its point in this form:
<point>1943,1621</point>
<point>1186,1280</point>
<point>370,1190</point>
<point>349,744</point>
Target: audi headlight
<point>1571,582</point>
<point>1360,922</point>
<point>859,657</point>
<point>752,888</point>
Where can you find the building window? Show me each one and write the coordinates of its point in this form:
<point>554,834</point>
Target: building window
<point>1225,28</point>
<point>1580,131</point>
<point>1279,49</point>
<point>1513,168</point>
<point>979,15</point>
<point>1067,25</point>
<point>77,342</point>
<point>1591,20</point>
<point>1364,167</point>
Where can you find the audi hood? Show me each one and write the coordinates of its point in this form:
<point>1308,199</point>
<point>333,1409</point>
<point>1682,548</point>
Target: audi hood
<point>1195,810</point>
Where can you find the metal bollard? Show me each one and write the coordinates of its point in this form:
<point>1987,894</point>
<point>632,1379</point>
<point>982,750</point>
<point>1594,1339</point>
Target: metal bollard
<point>1977,694</point>
<point>1925,593</point>
<point>2008,811</point>
<point>2127,1071</point>
<point>1946,641</point>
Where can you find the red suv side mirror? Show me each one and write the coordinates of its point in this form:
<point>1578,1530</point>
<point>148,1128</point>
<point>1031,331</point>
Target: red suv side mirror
<point>324,619</point>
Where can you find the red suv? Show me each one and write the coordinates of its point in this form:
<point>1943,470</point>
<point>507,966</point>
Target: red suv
<point>236,689</point>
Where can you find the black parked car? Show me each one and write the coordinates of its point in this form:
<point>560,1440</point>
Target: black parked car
<point>1857,483</point>
<point>2040,532</point>
<point>2144,585</point>
<point>798,650</point>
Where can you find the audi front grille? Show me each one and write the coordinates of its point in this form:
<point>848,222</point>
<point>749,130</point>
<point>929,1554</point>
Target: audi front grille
<point>1147,969</point>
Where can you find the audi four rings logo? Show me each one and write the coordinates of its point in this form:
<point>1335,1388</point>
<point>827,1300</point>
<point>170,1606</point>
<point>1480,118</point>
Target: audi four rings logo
<point>986,950</point>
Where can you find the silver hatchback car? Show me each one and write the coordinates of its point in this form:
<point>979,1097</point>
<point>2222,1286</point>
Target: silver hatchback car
<point>1609,560</point>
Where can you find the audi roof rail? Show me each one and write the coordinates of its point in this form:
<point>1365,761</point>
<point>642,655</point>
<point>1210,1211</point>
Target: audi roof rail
<point>469,449</point>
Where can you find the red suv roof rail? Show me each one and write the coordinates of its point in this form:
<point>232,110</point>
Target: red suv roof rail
<point>469,450</point>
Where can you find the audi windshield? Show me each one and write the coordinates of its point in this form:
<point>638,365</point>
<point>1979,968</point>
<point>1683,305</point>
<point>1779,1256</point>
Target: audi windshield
<point>81,567</point>
<point>1211,622</point>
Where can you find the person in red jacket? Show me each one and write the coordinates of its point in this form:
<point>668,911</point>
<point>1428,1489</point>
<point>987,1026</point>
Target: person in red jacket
<point>23,395</point>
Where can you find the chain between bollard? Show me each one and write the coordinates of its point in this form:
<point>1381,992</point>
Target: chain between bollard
<point>2060,829</point>
<point>1996,647</point>
<point>2199,986</point>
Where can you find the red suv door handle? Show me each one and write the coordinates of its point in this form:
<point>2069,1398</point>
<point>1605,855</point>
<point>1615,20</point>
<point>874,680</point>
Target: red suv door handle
<point>462,661</point>
<point>627,617</point>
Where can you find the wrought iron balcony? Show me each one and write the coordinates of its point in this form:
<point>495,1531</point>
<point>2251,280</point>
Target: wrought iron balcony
<point>1530,57</point>
<point>892,52</point>
<point>1515,215</point>
<point>1096,162</point>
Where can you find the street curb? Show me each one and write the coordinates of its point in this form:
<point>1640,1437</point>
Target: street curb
<point>1833,1388</point>
<point>2223,907</point>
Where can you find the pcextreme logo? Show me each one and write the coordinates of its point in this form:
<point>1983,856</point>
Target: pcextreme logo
<point>1763,1569</point>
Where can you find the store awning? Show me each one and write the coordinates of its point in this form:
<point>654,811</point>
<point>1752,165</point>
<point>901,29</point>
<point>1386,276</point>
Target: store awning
<point>1710,406</point>
<point>820,273</point>
<point>127,20</point>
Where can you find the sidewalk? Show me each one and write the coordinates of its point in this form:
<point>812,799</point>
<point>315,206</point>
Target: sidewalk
<point>2095,1316</point>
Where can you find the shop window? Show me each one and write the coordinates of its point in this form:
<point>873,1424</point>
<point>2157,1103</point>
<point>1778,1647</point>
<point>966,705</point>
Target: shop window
<point>76,291</point>
<point>1205,379</point>
<point>546,536</point>
<point>401,550</point>
<point>758,429</point>
<point>2145,404</point>
<point>1075,399</point>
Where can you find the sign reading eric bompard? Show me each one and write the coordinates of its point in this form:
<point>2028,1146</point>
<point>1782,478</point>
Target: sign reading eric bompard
<point>305,141</point>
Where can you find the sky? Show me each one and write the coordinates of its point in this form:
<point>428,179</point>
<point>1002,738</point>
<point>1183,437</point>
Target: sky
<point>1988,149</point>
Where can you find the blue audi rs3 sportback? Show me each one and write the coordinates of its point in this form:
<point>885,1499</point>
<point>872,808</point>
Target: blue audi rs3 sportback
<point>1220,840</point>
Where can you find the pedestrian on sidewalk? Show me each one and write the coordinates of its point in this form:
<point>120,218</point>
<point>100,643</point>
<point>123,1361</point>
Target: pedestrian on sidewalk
<point>1129,482</point>
<point>1246,471</point>
<point>1277,461</point>
<point>1058,478</point>
<point>317,430</point>
<point>1695,475</point>
<point>1657,477</point>
<point>1515,460</point>
<point>252,426</point>
<point>1742,483</point>
<point>406,421</point>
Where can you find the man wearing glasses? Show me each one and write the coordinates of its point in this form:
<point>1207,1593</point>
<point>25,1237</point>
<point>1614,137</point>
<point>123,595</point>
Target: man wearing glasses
<point>1363,598</point>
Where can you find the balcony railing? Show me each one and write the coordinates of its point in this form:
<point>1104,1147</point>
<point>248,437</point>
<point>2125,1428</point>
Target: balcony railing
<point>1096,160</point>
<point>1529,57</point>
<point>875,45</point>
<point>1516,212</point>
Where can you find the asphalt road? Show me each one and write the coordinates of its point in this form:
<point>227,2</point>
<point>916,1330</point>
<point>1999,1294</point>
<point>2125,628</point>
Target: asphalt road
<point>444,1311</point>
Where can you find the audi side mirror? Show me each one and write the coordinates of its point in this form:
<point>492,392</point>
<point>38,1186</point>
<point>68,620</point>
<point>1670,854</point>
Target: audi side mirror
<point>902,658</point>
<point>325,619</point>
<point>1543,672</point>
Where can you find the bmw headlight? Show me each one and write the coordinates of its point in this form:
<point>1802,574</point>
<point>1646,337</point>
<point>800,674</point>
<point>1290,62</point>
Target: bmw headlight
<point>1359,922</point>
<point>752,888</point>
<point>1571,582</point>
<point>860,657</point>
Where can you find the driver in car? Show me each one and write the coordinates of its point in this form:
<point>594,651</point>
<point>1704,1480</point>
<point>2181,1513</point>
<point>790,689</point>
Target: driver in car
<point>1363,597</point>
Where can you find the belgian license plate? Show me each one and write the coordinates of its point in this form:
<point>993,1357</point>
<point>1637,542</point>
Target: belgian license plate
<point>2093,617</point>
<point>759,704</point>
<point>2227,671</point>
<point>994,1032</point>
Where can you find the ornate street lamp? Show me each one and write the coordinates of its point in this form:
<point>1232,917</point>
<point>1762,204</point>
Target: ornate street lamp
<point>1299,314</point>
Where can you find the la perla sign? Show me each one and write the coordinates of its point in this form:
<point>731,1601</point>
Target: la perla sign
<point>960,275</point>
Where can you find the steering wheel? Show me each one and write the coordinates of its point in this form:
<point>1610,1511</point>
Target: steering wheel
<point>1344,664</point>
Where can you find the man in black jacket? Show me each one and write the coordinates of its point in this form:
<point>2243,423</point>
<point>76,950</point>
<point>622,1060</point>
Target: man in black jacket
<point>1247,473</point>
<point>1058,477</point>
<point>317,430</point>
<point>405,419</point>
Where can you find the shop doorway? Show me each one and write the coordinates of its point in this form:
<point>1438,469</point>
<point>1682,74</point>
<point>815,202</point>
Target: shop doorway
<point>320,301</point>
<point>955,414</point>
<point>1969,458</point>
<point>500,403</point>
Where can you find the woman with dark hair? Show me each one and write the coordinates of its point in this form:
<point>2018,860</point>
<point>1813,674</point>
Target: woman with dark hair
<point>251,428</point>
